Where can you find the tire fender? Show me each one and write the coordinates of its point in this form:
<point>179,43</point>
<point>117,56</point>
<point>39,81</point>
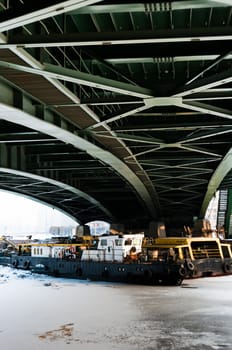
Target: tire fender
<point>182,271</point>
<point>190,265</point>
<point>227,267</point>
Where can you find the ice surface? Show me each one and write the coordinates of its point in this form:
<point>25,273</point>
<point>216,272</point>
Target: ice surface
<point>45,313</point>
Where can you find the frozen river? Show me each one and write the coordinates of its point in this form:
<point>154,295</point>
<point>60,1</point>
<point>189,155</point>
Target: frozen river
<point>44,313</point>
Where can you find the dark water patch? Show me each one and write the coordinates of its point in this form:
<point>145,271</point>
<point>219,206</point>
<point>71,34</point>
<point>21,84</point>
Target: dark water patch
<point>189,286</point>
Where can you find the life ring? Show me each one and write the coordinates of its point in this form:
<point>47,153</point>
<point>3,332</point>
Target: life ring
<point>182,271</point>
<point>227,267</point>
<point>15,263</point>
<point>190,265</point>
<point>26,264</point>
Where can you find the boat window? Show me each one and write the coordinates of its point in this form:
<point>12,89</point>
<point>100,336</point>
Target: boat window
<point>41,251</point>
<point>137,241</point>
<point>118,242</point>
<point>37,251</point>
<point>128,241</point>
<point>103,242</point>
<point>203,250</point>
<point>34,251</point>
<point>225,251</point>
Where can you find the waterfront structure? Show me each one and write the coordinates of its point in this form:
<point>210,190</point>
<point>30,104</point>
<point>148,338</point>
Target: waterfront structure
<point>117,110</point>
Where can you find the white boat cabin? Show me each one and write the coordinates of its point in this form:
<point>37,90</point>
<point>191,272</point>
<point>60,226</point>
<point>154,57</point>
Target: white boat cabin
<point>52,250</point>
<point>109,248</point>
<point>42,251</point>
<point>115,248</point>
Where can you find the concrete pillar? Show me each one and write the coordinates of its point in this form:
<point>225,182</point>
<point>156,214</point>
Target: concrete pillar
<point>157,229</point>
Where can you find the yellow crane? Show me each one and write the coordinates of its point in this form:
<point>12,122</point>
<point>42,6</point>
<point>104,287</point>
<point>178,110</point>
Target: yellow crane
<point>9,242</point>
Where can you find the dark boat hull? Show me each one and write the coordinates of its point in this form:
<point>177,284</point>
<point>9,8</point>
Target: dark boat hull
<point>139,273</point>
<point>209,267</point>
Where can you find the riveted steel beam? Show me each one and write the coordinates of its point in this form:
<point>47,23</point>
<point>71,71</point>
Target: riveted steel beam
<point>59,185</point>
<point>121,38</point>
<point>176,58</point>
<point>205,84</point>
<point>206,109</point>
<point>71,75</point>
<point>140,7</point>
<point>210,66</point>
<point>22,118</point>
<point>148,103</point>
<point>22,15</point>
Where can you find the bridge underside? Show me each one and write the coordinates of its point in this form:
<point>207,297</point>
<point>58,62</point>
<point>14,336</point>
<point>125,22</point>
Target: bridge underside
<point>117,110</point>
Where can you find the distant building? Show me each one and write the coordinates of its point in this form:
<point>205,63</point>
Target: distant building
<point>62,231</point>
<point>98,227</point>
<point>95,228</point>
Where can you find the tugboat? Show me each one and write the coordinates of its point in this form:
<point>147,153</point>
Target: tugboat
<point>201,256</point>
<point>112,257</point>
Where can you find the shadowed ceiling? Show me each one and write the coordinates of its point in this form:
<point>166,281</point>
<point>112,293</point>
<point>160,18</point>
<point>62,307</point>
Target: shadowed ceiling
<point>117,110</point>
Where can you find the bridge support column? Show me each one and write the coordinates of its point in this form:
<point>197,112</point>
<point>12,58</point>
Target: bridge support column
<point>157,229</point>
<point>3,156</point>
<point>117,228</point>
<point>228,215</point>
<point>12,157</point>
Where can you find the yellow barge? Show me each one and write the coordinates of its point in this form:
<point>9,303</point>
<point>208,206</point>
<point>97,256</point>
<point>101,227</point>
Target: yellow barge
<point>201,256</point>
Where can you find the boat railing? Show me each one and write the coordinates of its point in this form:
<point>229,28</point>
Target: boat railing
<point>206,253</point>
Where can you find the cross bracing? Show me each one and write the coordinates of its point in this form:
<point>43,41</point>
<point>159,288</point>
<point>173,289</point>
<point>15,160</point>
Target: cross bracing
<point>125,105</point>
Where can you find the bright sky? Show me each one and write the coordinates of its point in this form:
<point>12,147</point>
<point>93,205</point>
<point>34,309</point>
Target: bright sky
<point>19,215</point>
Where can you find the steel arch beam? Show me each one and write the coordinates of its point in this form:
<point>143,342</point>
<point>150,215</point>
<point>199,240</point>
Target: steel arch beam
<point>60,185</point>
<point>20,117</point>
<point>225,165</point>
<point>216,179</point>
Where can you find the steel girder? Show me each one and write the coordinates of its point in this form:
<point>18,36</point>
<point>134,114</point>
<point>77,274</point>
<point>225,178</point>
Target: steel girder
<point>143,91</point>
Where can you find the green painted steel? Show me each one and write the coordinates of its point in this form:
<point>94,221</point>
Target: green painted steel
<point>127,102</point>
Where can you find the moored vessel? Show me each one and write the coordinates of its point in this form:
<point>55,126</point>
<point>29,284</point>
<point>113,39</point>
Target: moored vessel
<point>201,256</point>
<point>113,257</point>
